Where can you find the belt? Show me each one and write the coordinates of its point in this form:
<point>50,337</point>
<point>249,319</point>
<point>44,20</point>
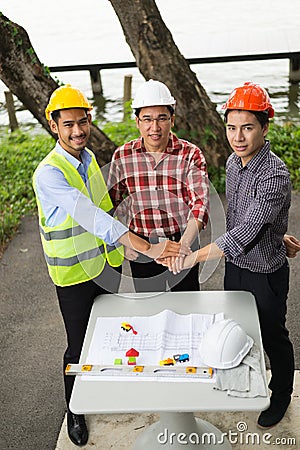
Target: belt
<point>156,239</point>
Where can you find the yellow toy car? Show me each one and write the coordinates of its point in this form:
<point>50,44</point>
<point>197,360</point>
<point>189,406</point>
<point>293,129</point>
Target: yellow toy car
<point>167,362</point>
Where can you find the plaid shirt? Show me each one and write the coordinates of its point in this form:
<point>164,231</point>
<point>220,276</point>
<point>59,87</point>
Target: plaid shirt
<point>259,197</point>
<point>159,197</point>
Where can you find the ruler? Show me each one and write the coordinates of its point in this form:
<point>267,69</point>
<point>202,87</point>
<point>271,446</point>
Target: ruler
<point>139,371</point>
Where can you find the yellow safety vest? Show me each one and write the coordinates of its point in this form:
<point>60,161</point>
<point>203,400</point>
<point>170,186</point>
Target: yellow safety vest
<point>74,255</point>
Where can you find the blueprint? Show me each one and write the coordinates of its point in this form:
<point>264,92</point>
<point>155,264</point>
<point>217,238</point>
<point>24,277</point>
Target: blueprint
<point>151,339</point>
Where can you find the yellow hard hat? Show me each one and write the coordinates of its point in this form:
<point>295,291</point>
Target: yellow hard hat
<point>66,97</point>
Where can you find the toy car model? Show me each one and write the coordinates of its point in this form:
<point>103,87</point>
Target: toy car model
<point>167,362</point>
<point>181,358</point>
<point>127,327</point>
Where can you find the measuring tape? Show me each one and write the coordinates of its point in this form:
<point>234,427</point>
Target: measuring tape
<point>139,371</point>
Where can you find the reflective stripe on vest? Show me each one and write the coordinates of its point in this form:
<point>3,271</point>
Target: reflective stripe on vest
<point>68,262</point>
<point>74,255</point>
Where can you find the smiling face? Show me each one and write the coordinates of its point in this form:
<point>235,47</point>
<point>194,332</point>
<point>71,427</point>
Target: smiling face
<point>73,130</point>
<point>245,134</point>
<point>155,133</point>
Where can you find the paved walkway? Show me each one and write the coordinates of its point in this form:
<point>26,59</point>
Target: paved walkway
<point>33,342</point>
<point>119,431</point>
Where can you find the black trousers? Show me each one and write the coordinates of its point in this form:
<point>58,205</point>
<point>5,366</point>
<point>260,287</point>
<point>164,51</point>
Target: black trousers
<point>270,291</point>
<point>153,277</point>
<point>75,303</point>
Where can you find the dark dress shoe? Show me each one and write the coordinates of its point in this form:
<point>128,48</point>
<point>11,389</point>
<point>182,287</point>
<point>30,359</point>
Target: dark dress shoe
<point>274,413</point>
<point>77,429</point>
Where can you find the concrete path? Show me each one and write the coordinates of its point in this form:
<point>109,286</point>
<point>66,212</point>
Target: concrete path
<point>119,431</point>
<point>33,342</point>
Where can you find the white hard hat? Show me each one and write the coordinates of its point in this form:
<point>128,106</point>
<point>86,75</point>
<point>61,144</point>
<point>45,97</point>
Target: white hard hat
<point>224,344</point>
<point>153,93</point>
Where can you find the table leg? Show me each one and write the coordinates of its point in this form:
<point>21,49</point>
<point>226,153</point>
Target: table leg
<point>181,430</point>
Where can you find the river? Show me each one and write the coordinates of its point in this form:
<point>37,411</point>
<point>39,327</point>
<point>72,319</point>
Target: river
<point>74,32</point>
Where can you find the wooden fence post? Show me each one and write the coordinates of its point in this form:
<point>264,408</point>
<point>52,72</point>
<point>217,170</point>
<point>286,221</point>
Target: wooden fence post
<point>13,123</point>
<point>294,75</point>
<point>126,94</point>
<point>96,82</point>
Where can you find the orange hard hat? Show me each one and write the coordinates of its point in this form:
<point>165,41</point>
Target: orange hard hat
<point>250,97</point>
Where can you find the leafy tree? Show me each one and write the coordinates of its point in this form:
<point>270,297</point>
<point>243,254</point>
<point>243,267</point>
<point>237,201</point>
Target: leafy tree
<point>27,78</point>
<point>158,57</point>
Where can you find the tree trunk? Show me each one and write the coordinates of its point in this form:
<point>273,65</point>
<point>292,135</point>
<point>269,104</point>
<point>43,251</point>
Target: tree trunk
<point>158,57</point>
<point>25,76</point>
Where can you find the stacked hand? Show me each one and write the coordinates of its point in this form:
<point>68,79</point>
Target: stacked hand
<point>178,256</point>
<point>177,263</point>
<point>165,250</point>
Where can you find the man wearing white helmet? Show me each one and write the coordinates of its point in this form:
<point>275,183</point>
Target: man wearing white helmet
<point>258,191</point>
<point>159,186</point>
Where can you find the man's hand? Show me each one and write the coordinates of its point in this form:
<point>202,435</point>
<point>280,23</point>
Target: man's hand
<point>292,245</point>
<point>167,249</point>
<point>161,250</point>
<point>130,254</point>
<point>209,252</point>
<point>174,263</point>
<point>177,264</point>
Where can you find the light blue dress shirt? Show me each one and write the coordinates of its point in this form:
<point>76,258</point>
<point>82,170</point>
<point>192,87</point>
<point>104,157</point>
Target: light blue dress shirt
<point>58,199</point>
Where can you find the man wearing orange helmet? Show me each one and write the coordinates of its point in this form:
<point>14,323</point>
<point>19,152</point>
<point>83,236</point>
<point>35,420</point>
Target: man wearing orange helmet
<point>258,191</point>
<point>81,241</point>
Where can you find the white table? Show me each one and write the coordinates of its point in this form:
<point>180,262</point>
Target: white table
<point>176,401</point>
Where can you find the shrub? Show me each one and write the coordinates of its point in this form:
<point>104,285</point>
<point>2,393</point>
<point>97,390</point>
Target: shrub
<point>20,154</point>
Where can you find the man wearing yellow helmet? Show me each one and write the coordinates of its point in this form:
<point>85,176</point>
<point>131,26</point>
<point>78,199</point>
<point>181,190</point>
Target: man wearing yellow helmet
<point>81,241</point>
<point>258,191</point>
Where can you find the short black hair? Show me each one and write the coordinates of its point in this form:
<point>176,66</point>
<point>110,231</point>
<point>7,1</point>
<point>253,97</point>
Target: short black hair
<point>55,115</point>
<point>262,116</point>
<point>170,108</point>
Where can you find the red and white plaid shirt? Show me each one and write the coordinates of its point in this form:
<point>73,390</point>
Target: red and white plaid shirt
<point>159,197</point>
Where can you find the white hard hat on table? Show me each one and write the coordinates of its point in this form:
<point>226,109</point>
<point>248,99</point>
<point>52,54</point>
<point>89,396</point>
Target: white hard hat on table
<point>224,345</point>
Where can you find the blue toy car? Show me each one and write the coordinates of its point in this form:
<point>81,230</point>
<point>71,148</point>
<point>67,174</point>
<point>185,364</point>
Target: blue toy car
<point>182,358</point>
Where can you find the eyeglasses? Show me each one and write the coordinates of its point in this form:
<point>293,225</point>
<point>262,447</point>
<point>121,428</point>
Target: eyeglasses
<point>150,120</point>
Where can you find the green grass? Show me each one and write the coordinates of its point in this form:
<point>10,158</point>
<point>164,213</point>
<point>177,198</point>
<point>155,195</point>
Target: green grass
<point>20,153</point>
<point>121,132</point>
<point>285,142</point>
